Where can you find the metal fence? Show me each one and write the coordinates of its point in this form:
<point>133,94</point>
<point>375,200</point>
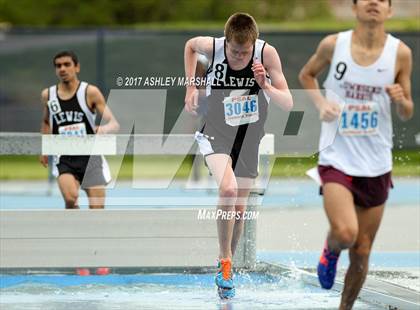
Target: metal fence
<point>105,54</point>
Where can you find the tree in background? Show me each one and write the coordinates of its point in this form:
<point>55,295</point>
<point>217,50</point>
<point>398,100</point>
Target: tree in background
<point>131,12</point>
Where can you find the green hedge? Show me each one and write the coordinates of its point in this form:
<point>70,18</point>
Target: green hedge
<point>406,163</point>
<point>129,12</point>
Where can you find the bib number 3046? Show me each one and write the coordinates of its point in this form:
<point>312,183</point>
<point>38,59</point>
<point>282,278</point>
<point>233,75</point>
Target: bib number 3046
<point>240,110</point>
<point>359,119</point>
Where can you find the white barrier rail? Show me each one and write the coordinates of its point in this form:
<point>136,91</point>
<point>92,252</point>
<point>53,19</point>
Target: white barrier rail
<point>12,143</point>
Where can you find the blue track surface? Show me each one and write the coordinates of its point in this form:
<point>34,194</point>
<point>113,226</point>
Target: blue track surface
<point>309,259</point>
<point>280,194</point>
<point>191,291</point>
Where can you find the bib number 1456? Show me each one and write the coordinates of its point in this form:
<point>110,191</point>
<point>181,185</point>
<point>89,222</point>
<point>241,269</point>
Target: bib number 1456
<point>359,119</point>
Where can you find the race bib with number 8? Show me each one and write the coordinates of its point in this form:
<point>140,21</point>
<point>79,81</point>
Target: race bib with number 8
<point>78,129</point>
<point>359,119</point>
<point>240,110</point>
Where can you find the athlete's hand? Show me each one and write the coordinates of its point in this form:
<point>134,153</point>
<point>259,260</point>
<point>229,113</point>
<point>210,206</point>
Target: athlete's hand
<point>329,111</point>
<point>43,159</point>
<point>101,130</point>
<point>259,74</point>
<point>104,129</point>
<point>191,100</point>
<point>396,93</point>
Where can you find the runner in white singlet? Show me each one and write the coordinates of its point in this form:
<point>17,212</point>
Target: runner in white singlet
<point>369,75</point>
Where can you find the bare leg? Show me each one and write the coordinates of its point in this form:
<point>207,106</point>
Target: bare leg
<point>341,213</point>
<point>96,196</point>
<point>69,188</point>
<point>220,166</point>
<point>244,187</point>
<point>369,221</point>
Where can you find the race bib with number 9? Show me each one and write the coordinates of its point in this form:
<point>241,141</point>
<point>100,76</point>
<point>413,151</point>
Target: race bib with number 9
<point>359,119</point>
<point>240,110</point>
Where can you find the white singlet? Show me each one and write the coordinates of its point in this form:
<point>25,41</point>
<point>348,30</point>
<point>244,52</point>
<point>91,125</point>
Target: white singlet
<point>363,134</point>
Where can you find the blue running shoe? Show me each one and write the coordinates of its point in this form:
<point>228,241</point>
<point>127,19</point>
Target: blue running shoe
<point>327,268</point>
<point>224,281</point>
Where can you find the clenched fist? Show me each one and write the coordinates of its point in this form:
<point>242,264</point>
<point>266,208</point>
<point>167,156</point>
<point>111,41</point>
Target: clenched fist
<point>396,93</point>
<point>329,111</point>
<point>259,74</point>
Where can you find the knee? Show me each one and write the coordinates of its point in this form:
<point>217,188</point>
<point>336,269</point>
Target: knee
<point>240,208</point>
<point>345,236</point>
<point>228,191</point>
<point>362,249</point>
<point>359,256</point>
<point>71,200</point>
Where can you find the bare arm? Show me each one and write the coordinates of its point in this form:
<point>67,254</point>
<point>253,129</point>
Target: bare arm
<point>193,47</point>
<point>400,92</point>
<point>97,101</point>
<point>45,123</point>
<point>308,77</point>
<point>278,90</point>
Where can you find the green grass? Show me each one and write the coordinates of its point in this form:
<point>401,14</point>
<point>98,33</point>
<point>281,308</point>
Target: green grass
<point>21,167</point>
<point>406,163</point>
<point>153,167</point>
